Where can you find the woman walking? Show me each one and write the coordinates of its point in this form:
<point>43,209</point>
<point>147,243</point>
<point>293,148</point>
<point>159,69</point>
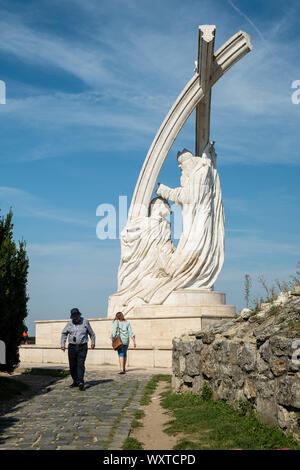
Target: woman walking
<point>122,326</point>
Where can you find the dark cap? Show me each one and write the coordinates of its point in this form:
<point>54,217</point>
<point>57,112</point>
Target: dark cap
<point>75,313</point>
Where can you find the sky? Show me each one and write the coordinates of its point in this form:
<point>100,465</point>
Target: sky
<point>88,84</point>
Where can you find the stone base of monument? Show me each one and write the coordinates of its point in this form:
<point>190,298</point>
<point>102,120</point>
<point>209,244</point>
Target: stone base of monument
<point>154,326</point>
<point>184,303</point>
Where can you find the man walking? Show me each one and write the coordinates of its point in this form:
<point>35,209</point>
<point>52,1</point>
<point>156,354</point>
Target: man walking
<point>78,330</point>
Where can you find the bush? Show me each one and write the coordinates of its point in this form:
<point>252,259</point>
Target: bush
<point>245,406</point>
<point>206,392</point>
<point>13,298</point>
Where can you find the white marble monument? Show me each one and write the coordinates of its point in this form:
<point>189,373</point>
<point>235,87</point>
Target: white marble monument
<point>154,276</point>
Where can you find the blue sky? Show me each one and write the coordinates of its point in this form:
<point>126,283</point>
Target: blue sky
<point>88,85</point>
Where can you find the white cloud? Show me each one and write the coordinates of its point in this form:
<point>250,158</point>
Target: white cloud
<point>246,17</point>
<point>47,50</point>
<point>25,204</point>
<point>134,75</point>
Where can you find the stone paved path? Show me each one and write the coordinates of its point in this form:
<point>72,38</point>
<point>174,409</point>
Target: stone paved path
<point>61,418</point>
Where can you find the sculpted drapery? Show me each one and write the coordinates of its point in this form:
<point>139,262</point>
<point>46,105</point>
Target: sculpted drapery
<point>199,256</point>
<point>146,247</point>
<point>151,268</point>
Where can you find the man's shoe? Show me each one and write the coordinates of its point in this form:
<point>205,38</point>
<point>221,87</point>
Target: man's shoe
<point>81,386</point>
<point>73,385</point>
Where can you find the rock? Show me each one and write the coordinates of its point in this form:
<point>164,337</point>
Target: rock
<point>266,351</point>
<point>175,362</point>
<point>282,298</point>
<point>193,365</point>
<point>206,336</point>
<point>263,368</point>
<point>233,352</point>
<point>198,345</point>
<point>278,366</point>
<point>231,332</point>
<point>289,391</point>
<point>177,344</point>
<point>207,366</point>
<point>249,389</point>
<point>246,314</point>
<point>283,417</point>
<point>296,291</point>
<point>188,347</point>
<point>181,365</point>
<point>197,384</point>
<point>247,358</point>
<point>225,388</point>
<point>293,366</point>
<point>265,388</point>
<point>176,384</point>
<point>222,326</point>
<point>261,315</point>
<point>187,379</point>
<point>267,410</point>
<point>261,336</point>
<point>265,306</point>
<point>281,346</point>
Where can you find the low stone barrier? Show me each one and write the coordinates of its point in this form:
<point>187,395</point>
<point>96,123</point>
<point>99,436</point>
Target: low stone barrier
<point>253,360</point>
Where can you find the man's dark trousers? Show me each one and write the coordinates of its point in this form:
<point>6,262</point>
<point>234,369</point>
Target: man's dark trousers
<point>77,355</point>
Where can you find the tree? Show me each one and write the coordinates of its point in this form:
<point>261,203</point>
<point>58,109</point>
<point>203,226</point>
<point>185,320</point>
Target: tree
<point>14,266</point>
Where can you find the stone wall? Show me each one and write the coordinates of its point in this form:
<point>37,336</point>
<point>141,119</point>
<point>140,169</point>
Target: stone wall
<point>254,358</point>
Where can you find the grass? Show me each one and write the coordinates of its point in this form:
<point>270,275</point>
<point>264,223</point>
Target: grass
<point>244,405</point>
<point>136,424</point>
<point>139,414</point>
<point>132,444</point>
<point>151,387</point>
<point>294,324</point>
<point>206,392</point>
<point>274,310</point>
<point>9,388</point>
<point>48,372</point>
<point>217,425</point>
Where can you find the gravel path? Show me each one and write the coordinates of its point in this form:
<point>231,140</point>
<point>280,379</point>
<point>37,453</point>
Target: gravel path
<point>62,418</point>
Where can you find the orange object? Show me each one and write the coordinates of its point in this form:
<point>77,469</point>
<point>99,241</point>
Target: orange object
<point>25,334</point>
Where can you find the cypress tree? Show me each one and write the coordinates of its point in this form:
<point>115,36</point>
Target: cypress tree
<point>14,266</point>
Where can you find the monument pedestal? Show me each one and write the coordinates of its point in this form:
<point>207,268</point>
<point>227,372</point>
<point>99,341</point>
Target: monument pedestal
<point>154,326</point>
<point>184,303</point>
